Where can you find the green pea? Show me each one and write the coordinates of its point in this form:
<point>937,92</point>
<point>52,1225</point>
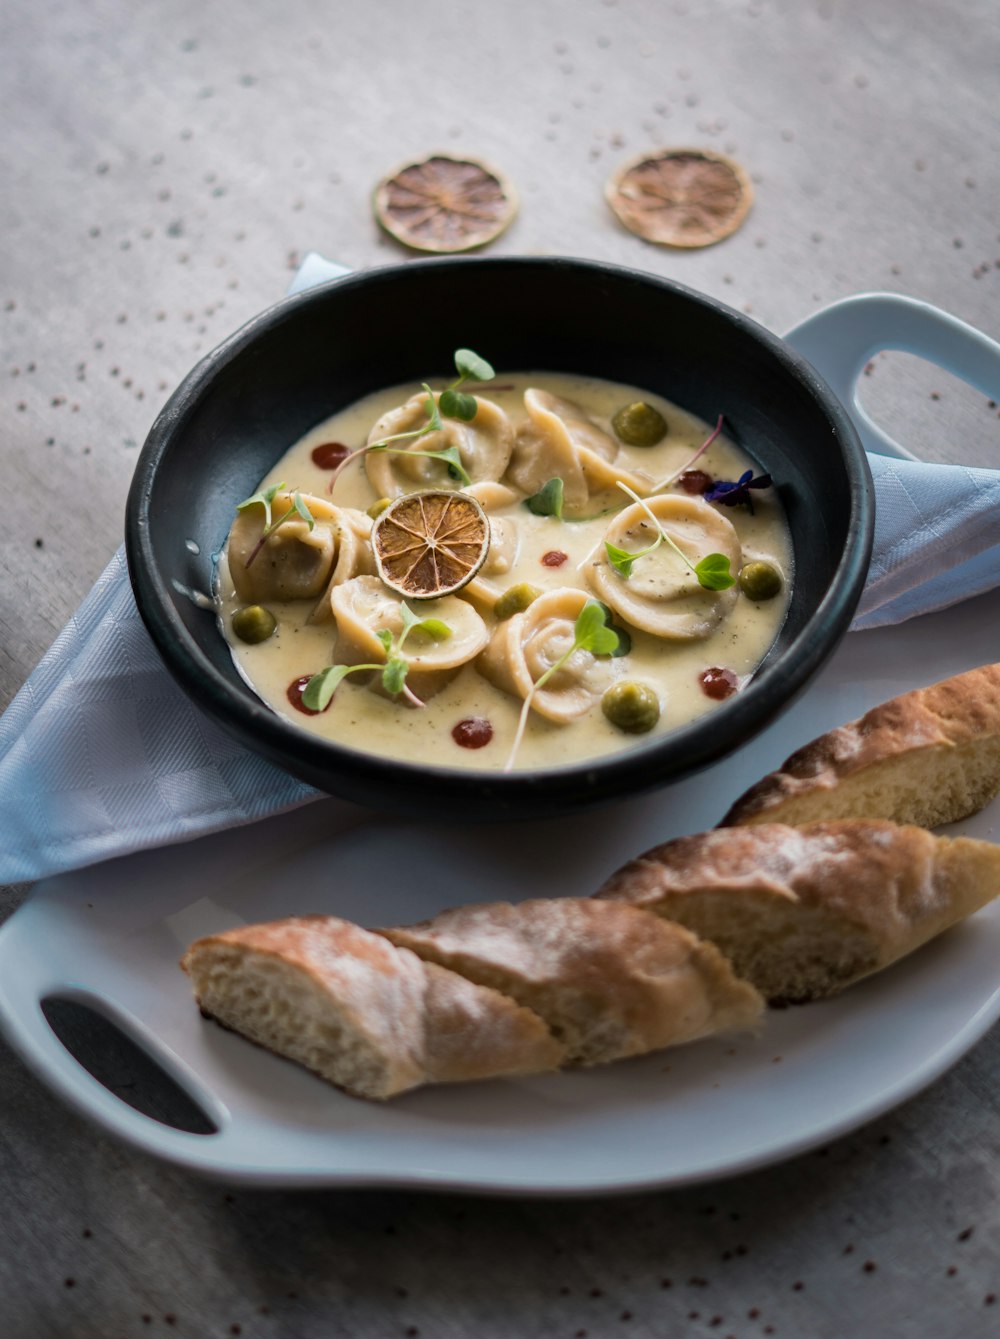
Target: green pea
<point>254,623</point>
<point>515,600</point>
<point>760,581</point>
<point>632,707</point>
<point>377,508</point>
<point>639,424</point>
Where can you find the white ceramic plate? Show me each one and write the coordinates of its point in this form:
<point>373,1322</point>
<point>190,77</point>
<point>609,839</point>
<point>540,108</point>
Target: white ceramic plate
<point>111,936</point>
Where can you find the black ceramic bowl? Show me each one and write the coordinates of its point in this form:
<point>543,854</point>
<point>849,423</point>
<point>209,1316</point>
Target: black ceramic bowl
<point>311,355</point>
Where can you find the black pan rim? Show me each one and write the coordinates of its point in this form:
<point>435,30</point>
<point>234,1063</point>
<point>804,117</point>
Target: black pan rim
<point>642,766</point>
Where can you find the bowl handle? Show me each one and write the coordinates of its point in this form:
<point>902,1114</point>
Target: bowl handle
<point>24,985</point>
<point>841,339</point>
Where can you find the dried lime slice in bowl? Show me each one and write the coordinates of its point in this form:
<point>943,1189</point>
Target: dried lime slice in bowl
<point>431,543</point>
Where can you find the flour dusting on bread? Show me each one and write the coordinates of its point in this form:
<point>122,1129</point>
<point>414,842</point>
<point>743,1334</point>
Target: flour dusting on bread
<point>802,912</point>
<point>927,757</point>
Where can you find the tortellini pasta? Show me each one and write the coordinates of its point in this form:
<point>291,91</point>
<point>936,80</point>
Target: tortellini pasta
<point>484,448</point>
<point>354,557</point>
<point>487,585</point>
<point>560,440</point>
<point>296,562</point>
<point>365,607</point>
<point>662,595</point>
<point>319,601</point>
<point>527,645</point>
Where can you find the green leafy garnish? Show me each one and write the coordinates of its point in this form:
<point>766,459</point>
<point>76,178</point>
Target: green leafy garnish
<point>457,404</point>
<point>622,559</point>
<point>591,632</point>
<point>548,501</point>
<point>435,628</point>
<point>265,498</point>
<point>298,508</point>
<point>470,367</point>
<point>394,675</point>
<point>452,403</point>
<point>322,686</point>
<point>712,571</point>
<point>624,637</point>
<point>434,423</point>
<point>450,455</point>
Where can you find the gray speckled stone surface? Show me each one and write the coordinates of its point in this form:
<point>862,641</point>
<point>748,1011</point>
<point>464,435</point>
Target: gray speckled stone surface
<point>163,168</point>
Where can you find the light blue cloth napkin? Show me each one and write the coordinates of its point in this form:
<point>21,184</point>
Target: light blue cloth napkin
<point>101,753</point>
<point>937,539</point>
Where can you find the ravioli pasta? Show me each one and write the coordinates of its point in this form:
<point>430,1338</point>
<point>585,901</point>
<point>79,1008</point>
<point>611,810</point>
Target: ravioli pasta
<point>484,448</point>
<point>527,646</point>
<point>559,439</point>
<point>364,607</point>
<point>298,561</point>
<point>501,652</point>
<point>662,596</point>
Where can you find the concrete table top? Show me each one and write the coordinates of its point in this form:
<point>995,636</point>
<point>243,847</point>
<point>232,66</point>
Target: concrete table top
<point>164,168</point>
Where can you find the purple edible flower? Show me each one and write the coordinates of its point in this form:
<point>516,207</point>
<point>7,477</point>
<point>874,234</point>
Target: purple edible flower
<point>733,494</point>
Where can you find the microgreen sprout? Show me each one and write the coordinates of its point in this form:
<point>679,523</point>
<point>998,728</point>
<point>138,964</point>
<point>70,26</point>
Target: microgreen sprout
<point>265,499</point>
<point>624,637</point>
<point>470,367</point>
<point>712,572</point>
<point>548,501</point>
<point>591,632</point>
<point>322,686</point>
<point>451,403</point>
<point>665,483</point>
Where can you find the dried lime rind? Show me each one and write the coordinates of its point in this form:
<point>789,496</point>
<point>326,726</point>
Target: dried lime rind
<point>681,197</point>
<point>444,204</point>
<point>430,544</point>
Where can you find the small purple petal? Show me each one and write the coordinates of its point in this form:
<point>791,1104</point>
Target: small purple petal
<point>733,494</point>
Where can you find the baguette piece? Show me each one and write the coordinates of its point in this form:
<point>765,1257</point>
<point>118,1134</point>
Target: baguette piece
<point>928,757</point>
<point>610,981</point>
<point>369,1017</point>
<point>804,911</point>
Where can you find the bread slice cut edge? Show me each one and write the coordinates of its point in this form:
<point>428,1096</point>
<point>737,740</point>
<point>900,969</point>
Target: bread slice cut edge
<point>366,1016</point>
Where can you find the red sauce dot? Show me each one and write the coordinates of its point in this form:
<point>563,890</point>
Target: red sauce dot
<point>554,558</point>
<point>717,683</point>
<point>329,455</point>
<point>295,690</point>
<point>473,733</point>
<point>695,481</point>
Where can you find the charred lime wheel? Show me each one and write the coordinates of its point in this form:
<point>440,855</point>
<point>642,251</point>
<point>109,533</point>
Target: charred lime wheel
<point>430,544</point>
<point>681,197</point>
<point>445,204</point>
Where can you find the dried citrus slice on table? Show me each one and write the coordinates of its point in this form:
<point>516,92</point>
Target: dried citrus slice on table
<point>445,204</point>
<point>430,544</point>
<point>681,197</point>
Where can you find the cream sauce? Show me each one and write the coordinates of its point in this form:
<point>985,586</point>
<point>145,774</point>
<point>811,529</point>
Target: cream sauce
<point>364,720</point>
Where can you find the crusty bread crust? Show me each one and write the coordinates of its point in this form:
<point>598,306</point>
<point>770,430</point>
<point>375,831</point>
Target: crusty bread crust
<point>611,981</point>
<point>803,911</point>
<point>928,757</point>
<point>358,1011</point>
<point>473,1032</point>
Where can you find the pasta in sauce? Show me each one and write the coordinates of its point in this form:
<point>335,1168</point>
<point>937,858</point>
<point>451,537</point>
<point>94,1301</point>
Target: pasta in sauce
<point>329,607</point>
